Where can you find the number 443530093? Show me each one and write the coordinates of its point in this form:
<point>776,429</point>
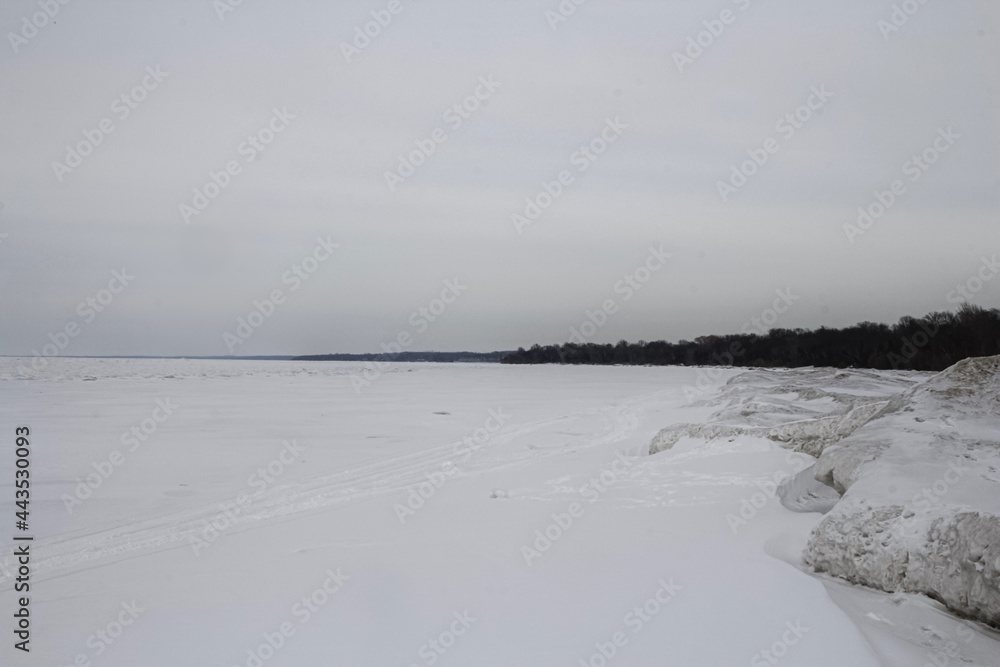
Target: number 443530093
<point>22,476</point>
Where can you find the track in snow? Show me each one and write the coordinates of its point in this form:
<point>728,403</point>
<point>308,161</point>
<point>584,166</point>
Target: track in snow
<point>65,554</point>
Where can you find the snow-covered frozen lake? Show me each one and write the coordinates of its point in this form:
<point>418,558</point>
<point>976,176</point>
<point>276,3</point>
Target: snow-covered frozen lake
<point>269,513</point>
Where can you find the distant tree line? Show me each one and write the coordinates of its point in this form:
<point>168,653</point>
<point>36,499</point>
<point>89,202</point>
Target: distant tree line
<point>930,343</point>
<point>480,357</point>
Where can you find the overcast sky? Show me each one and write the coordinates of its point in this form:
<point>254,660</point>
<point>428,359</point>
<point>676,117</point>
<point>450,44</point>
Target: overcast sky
<point>672,131</point>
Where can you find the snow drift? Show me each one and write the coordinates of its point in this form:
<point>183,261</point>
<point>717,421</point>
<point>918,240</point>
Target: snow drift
<point>907,474</point>
<point>920,510</point>
<point>801,409</point>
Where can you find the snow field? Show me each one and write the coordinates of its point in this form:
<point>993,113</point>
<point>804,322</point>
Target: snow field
<point>319,569</point>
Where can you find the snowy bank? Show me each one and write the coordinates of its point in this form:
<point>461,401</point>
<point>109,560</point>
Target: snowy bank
<point>800,409</point>
<point>920,510</point>
<point>908,471</point>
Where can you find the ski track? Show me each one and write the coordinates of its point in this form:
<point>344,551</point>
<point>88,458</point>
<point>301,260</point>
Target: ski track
<point>73,552</point>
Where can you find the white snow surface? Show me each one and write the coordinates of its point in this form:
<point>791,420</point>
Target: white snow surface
<point>450,585</point>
